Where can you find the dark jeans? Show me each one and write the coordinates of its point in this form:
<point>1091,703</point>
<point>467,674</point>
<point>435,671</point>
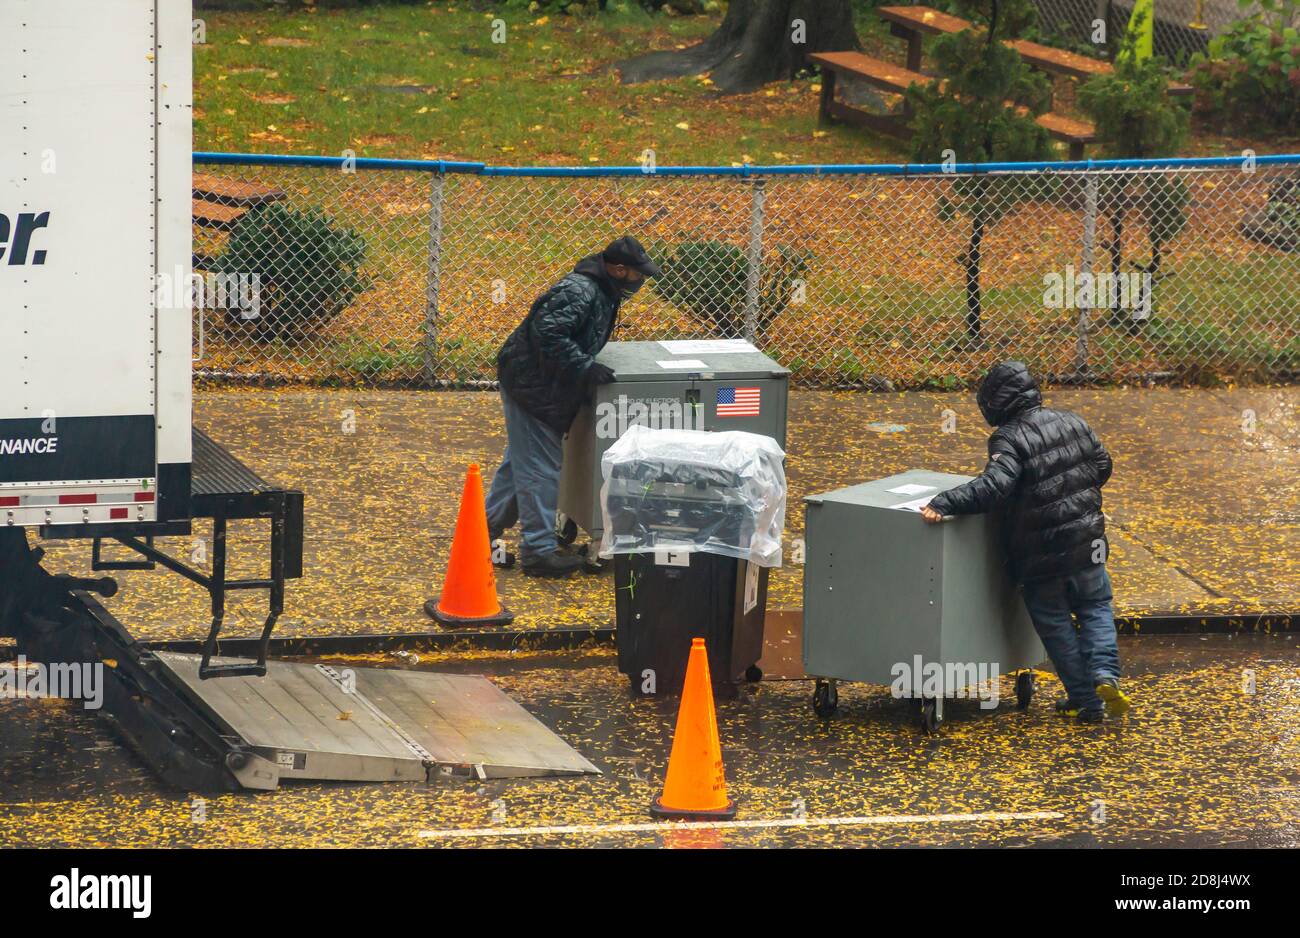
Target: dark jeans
<point>1085,655</point>
<point>526,487</point>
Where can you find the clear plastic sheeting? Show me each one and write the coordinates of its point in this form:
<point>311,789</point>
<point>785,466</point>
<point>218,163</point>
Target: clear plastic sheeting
<point>691,490</point>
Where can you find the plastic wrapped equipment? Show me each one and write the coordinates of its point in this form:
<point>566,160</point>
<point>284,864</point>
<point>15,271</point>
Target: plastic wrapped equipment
<point>692,490</point>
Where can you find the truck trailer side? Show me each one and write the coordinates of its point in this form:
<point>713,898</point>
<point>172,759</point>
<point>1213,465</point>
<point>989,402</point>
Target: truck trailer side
<point>96,440</point>
<point>95,115</point>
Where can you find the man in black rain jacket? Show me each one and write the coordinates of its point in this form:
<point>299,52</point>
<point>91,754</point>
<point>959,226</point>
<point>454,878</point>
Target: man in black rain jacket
<point>547,368</point>
<point>1045,472</point>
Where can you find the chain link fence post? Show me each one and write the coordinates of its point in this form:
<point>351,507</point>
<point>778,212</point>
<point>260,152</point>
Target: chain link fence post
<point>754,258</point>
<point>432,272</point>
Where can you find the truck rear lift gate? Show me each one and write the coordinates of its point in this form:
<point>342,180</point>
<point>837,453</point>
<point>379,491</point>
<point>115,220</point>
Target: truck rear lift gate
<point>303,721</point>
<point>223,488</point>
<point>299,721</point>
<point>56,622</point>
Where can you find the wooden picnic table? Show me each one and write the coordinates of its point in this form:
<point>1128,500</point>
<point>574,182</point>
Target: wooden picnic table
<point>913,23</point>
<point>217,203</point>
<point>894,78</point>
<point>215,215</point>
<point>226,191</point>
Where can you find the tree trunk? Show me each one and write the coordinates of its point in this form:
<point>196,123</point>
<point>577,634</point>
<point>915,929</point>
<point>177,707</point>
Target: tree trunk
<point>758,41</point>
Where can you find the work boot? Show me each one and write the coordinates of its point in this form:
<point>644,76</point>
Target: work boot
<point>592,564</point>
<point>1092,716</point>
<point>1067,707</point>
<point>500,556</point>
<point>1117,703</point>
<point>555,565</point>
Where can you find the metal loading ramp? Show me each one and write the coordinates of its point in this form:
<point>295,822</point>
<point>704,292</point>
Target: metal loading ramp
<point>319,722</point>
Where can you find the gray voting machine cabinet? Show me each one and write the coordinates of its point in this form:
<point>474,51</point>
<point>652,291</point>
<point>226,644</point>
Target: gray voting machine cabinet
<point>689,384</point>
<point>889,599</point>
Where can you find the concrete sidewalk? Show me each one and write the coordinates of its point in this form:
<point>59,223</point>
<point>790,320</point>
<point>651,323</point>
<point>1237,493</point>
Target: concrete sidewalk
<point>1204,507</point>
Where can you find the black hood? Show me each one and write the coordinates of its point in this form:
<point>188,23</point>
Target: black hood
<point>593,266</point>
<point>1007,391</point>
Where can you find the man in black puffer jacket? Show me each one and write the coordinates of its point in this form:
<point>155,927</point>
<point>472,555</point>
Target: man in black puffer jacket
<point>1045,472</point>
<point>547,368</point>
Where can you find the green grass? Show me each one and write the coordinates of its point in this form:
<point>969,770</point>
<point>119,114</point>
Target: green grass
<point>547,95</point>
<point>328,81</point>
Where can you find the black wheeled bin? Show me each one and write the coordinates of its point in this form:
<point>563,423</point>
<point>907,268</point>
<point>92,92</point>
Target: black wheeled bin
<point>662,601</point>
<point>692,520</point>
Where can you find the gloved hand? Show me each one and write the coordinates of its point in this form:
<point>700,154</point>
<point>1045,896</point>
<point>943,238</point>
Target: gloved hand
<point>597,374</point>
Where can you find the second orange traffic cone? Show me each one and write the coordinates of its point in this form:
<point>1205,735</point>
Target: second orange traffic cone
<point>695,787</point>
<point>469,595</point>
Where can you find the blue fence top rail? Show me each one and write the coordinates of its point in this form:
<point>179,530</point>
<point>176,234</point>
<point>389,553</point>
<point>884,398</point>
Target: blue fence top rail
<point>839,169</point>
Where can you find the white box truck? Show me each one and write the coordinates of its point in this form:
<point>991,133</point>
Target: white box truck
<point>96,440</point>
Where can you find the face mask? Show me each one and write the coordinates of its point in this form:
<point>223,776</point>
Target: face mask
<point>627,288</point>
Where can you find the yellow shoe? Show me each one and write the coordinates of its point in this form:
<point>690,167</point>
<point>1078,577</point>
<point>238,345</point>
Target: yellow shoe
<point>1117,703</point>
<point>1066,708</point>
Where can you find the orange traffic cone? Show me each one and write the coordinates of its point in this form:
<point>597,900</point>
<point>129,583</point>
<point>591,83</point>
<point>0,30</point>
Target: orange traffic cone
<point>695,788</point>
<point>469,596</point>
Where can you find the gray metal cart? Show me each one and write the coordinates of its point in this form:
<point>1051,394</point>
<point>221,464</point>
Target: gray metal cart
<point>710,384</point>
<point>884,591</point>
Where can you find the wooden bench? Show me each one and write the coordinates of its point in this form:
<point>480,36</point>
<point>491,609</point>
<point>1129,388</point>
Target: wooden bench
<point>233,192</point>
<point>215,215</point>
<point>218,203</point>
<point>896,79</point>
<point>915,22</point>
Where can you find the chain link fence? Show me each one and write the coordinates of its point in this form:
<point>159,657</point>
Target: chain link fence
<point>1182,27</point>
<point>388,274</point>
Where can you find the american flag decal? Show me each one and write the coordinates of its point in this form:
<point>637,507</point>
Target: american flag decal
<point>738,402</point>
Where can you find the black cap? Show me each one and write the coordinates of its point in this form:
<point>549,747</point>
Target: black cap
<point>627,250</point>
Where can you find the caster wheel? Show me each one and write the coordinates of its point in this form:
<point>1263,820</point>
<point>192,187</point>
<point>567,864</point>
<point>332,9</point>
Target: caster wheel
<point>568,532</point>
<point>930,719</point>
<point>826,699</point>
<point>753,673</point>
<point>1025,687</point>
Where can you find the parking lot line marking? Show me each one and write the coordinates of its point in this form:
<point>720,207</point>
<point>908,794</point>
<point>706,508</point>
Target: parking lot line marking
<point>652,826</point>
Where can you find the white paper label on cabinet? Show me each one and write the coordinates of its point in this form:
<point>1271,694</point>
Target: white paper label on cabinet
<point>751,587</point>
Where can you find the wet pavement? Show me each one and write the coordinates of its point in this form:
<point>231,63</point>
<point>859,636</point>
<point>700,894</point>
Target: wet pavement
<point>1204,518</point>
<point>1204,505</point>
<point>1198,762</point>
